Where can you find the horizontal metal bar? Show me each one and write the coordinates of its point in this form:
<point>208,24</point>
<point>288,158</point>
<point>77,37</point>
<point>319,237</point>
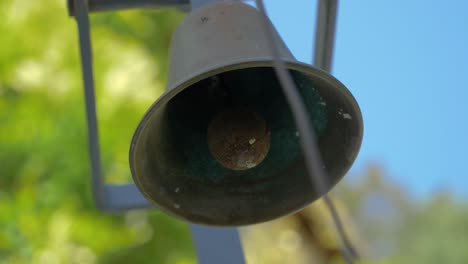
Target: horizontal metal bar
<point>198,3</point>
<point>124,197</point>
<point>113,5</point>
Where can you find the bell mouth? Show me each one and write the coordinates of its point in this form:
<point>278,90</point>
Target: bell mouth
<point>178,164</point>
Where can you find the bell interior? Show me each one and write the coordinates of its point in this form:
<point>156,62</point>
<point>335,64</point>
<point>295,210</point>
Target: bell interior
<point>173,166</point>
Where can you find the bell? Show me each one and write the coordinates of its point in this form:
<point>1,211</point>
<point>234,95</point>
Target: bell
<point>220,147</point>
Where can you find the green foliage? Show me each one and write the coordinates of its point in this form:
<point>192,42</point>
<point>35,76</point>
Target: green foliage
<point>396,228</point>
<point>436,232</point>
<point>46,211</point>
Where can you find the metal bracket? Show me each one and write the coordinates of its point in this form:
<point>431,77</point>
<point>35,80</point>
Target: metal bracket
<point>107,197</point>
<point>213,245</point>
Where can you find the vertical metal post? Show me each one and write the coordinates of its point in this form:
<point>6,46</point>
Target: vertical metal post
<point>82,20</point>
<point>106,197</point>
<point>216,245</point>
<point>325,34</point>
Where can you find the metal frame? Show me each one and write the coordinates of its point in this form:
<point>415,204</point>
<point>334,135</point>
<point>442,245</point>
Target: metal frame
<point>113,5</point>
<point>213,244</point>
<point>325,34</point>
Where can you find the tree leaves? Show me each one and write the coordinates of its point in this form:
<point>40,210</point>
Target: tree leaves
<point>46,211</point>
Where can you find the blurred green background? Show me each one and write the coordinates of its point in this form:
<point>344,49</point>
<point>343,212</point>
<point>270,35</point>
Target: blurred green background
<point>46,210</point>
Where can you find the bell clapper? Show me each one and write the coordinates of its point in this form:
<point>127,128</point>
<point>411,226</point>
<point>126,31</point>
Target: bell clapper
<point>239,138</point>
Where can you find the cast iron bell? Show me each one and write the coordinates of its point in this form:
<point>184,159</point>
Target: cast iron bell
<point>220,147</point>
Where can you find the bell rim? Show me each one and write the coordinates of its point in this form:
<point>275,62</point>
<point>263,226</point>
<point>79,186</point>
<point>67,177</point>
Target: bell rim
<point>173,90</point>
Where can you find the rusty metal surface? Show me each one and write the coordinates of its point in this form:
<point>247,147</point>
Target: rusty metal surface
<point>239,138</point>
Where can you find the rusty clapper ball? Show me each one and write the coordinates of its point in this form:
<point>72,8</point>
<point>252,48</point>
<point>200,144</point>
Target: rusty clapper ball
<point>239,138</point>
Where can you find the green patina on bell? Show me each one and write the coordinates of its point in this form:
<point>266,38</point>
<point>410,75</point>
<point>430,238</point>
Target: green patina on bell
<point>221,147</point>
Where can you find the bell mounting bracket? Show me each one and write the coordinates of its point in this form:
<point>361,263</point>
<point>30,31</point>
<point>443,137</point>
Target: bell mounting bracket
<point>213,244</point>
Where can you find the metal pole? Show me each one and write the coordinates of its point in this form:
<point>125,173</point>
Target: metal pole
<point>325,34</point>
<point>106,197</point>
<point>216,245</point>
<point>88,84</point>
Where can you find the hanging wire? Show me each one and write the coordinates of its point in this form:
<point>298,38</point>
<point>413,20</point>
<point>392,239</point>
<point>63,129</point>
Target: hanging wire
<point>313,160</point>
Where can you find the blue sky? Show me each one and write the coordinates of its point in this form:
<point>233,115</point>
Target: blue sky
<point>406,62</point>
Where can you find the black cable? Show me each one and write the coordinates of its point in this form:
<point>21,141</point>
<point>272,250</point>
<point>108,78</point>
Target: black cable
<point>313,160</point>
